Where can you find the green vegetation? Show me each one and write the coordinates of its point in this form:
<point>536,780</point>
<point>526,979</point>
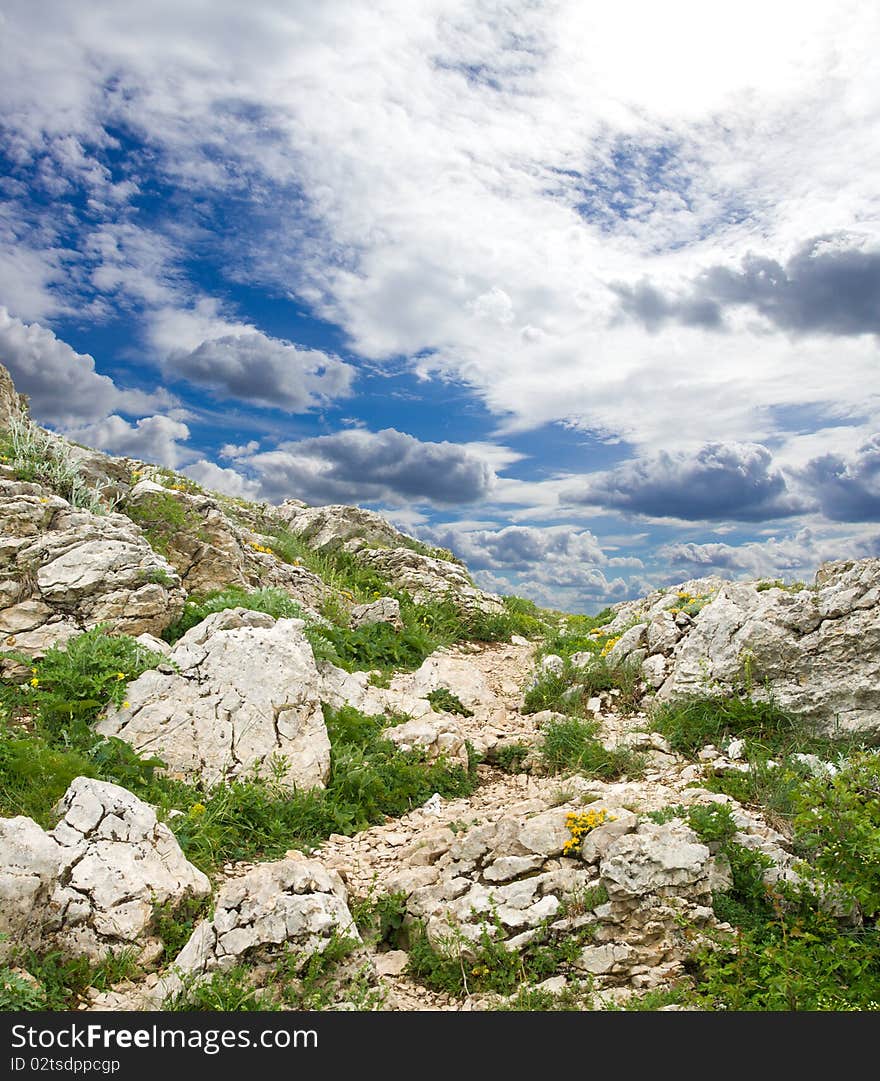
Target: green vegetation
<point>160,516</point>
<point>511,757</point>
<point>569,690</point>
<point>47,740</point>
<point>792,949</point>
<point>444,701</point>
<point>380,919</point>
<point>174,926</point>
<point>572,745</point>
<point>460,967</point>
<point>34,455</point>
<point>690,724</point>
<point>55,983</point>
<point>226,992</point>
<point>275,602</point>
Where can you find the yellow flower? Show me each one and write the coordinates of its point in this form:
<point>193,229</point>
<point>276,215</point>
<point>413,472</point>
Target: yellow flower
<point>197,809</point>
<point>126,705</point>
<point>120,675</point>
<point>35,682</point>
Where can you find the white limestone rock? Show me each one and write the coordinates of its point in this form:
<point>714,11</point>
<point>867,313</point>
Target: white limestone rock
<point>243,696</point>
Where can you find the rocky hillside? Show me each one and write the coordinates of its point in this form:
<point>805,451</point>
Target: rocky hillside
<point>288,757</point>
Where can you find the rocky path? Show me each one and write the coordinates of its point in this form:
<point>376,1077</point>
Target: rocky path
<point>504,847</point>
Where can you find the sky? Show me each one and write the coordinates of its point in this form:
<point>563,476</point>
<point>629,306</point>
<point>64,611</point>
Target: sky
<point>588,293</point>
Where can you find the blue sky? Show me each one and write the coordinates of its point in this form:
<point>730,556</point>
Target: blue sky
<point>591,297</point>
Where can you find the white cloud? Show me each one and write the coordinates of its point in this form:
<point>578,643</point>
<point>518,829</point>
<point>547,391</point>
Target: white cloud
<point>358,466</point>
<point>217,479</point>
<point>153,439</point>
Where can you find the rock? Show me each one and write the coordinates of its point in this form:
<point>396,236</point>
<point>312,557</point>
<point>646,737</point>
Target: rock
<point>63,571</point>
<point>427,579</point>
<point>13,406</point>
<point>117,862</point>
<point>629,643</point>
<point>336,526</point>
<point>384,610</point>
<point>244,697</point>
<point>597,842</point>
<point>88,887</point>
<point>816,651</point>
<point>392,963</point>
<point>295,903</point>
<point>210,550</point>
<point>654,670</point>
<point>655,858</point>
<point>735,749</point>
<point>437,736</point>
<point>30,860</point>
<point>552,664</point>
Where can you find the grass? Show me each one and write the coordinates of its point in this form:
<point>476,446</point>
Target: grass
<point>569,690</point>
<point>161,515</point>
<point>36,456</point>
<point>571,745</point>
<point>689,724</point>
<point>58,983</point>
<point>444,701</point>
<point>460,967</point>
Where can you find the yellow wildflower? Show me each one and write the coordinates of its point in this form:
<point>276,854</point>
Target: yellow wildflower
<point>35,682</point>
<point>126,705</point>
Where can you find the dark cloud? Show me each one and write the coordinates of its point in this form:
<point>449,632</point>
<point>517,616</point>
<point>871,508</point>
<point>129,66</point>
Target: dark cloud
<point>848,490</point>
<point>521,548</point>
<point>64,389</point>
<point>721,481</point>
<point>358,466</point>
<point>264,371</point>
<point>828,286</point>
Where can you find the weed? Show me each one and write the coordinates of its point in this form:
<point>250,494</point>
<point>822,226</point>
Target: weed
<point>226,992</point>
<point>443,700</point>
<point>571,744</point>
<point>160,516</point>
<point>511,757</point>
<point>689,724</point>
<point>37,456</point>
<point>174,924</point>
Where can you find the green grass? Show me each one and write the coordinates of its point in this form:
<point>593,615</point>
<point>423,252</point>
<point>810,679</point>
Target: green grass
<point>689,724</point>
<point>460,967</point>
<point>569,691</point>
<point>444,701</point>
<point>224,992</point>
<point>160,515</point>
<point>61,982</point>
<point>571,745</point>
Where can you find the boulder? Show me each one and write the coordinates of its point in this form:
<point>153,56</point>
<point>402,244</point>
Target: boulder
<point>239,695</point>
<point>427,579</point>
<point>64,570</point>
<point>88,886</point>
<point>384,610</point>
<point>816,651</point>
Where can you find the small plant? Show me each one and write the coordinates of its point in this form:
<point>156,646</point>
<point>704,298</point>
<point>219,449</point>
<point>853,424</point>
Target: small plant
<point>160,516</point>
<point>37,456</point>
<point>226,992</point>
<point>579,825</point>
<point>174,924</point>
<point>511,757</point>
<point>444,701</point>
<point>381,919</point>
<point>571,744</point>
<point>690,724</point>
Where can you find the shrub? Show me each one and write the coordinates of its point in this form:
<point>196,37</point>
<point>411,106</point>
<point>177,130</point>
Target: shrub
<point>569,690</point>
<point>226,992</point>
<point>160,516</point>
<point>838,823</point>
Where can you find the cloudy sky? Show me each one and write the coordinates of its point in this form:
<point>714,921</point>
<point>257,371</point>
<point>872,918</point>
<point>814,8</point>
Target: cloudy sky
<point>588,293</point>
